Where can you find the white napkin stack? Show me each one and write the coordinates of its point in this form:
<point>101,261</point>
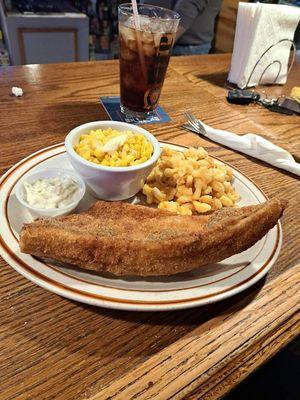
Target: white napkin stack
<point>255,146</point>
<point>258,27</point>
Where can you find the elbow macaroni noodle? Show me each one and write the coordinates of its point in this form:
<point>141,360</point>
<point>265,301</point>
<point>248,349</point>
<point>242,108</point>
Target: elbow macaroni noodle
<point>190,182</point>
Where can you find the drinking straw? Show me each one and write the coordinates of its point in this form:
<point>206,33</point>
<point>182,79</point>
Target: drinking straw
<point>135,14</point>
<point>139,42</point>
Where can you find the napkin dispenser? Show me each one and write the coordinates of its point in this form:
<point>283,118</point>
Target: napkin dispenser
<point>263,41</point>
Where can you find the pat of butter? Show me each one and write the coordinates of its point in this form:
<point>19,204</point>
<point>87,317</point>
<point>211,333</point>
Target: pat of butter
<point>114,143</point>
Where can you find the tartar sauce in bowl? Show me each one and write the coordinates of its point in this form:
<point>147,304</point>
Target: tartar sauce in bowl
<point>48,193</point>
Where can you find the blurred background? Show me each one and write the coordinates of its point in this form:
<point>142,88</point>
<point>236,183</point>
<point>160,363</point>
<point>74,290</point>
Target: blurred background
<point>50,31</point>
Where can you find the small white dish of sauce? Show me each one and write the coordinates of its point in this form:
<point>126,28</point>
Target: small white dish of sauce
<point>50,192</point>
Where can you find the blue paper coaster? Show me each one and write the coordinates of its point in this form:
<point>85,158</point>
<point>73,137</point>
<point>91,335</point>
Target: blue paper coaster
<point>111,105</point>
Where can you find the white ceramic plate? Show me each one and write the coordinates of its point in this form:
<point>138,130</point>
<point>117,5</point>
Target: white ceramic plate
<point>206,285</point>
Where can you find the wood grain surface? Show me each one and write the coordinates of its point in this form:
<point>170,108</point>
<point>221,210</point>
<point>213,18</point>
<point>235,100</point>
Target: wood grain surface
<point>210,73</point>
<point>53,348</point>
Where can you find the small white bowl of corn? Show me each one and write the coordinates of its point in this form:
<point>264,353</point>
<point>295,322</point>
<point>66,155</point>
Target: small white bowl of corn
<point>113,158</point>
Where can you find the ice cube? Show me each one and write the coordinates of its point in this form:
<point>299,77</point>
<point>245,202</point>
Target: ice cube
<point>132,45</point>
<point>127,54</point>
<point>169,26</point>
<point>157,38</point>
<point>149,50</point>
<point>150,25</point>
<point>127,34</point>
<point>130,22</point>
<point>145,24</point>
<point>147,38</point>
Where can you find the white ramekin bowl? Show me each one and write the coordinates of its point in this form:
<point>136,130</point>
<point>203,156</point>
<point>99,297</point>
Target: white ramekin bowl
<point>45,174</point>
<point>111,183</point>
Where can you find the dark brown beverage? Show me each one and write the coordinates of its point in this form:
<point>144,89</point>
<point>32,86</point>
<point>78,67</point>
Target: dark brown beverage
<point>146,42</point>
<point>144,59</point>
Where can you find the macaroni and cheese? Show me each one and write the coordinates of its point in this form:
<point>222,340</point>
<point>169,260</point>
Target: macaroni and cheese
<point>190,182</point>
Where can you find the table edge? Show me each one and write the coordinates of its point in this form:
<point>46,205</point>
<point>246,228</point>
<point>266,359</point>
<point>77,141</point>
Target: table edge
<point>177,371</point>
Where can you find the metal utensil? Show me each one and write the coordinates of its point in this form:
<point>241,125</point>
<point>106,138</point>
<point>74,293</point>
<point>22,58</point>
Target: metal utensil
<point>194,124</point>
<point>250,144</point>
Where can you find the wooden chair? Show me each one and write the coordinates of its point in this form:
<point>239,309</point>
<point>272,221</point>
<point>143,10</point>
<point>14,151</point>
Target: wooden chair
<point>225,27</point>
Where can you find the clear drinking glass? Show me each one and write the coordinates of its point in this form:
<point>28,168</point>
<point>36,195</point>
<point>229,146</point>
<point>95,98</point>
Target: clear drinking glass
<point>145,48</point>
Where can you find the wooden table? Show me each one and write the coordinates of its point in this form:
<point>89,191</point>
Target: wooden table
<point>53,348</point>
<point>210,73</point>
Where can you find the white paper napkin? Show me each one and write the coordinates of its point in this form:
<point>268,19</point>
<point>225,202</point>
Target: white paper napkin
<point>260,26</point>
<point>255,146</point>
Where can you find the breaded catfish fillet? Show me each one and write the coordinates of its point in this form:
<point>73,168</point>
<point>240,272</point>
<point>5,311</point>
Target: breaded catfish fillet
<point>127,239</point>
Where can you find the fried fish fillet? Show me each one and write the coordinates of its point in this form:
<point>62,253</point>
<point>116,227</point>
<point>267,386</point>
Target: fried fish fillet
<point>129,239</point>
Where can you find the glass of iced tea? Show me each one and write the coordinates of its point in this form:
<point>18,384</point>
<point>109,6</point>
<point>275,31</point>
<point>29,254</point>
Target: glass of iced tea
<point>146,44</point>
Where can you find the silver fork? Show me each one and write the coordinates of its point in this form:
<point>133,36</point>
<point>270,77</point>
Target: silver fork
<point>194,124</point>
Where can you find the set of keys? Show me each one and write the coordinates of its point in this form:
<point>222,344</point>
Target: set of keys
<point>282,105</point>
